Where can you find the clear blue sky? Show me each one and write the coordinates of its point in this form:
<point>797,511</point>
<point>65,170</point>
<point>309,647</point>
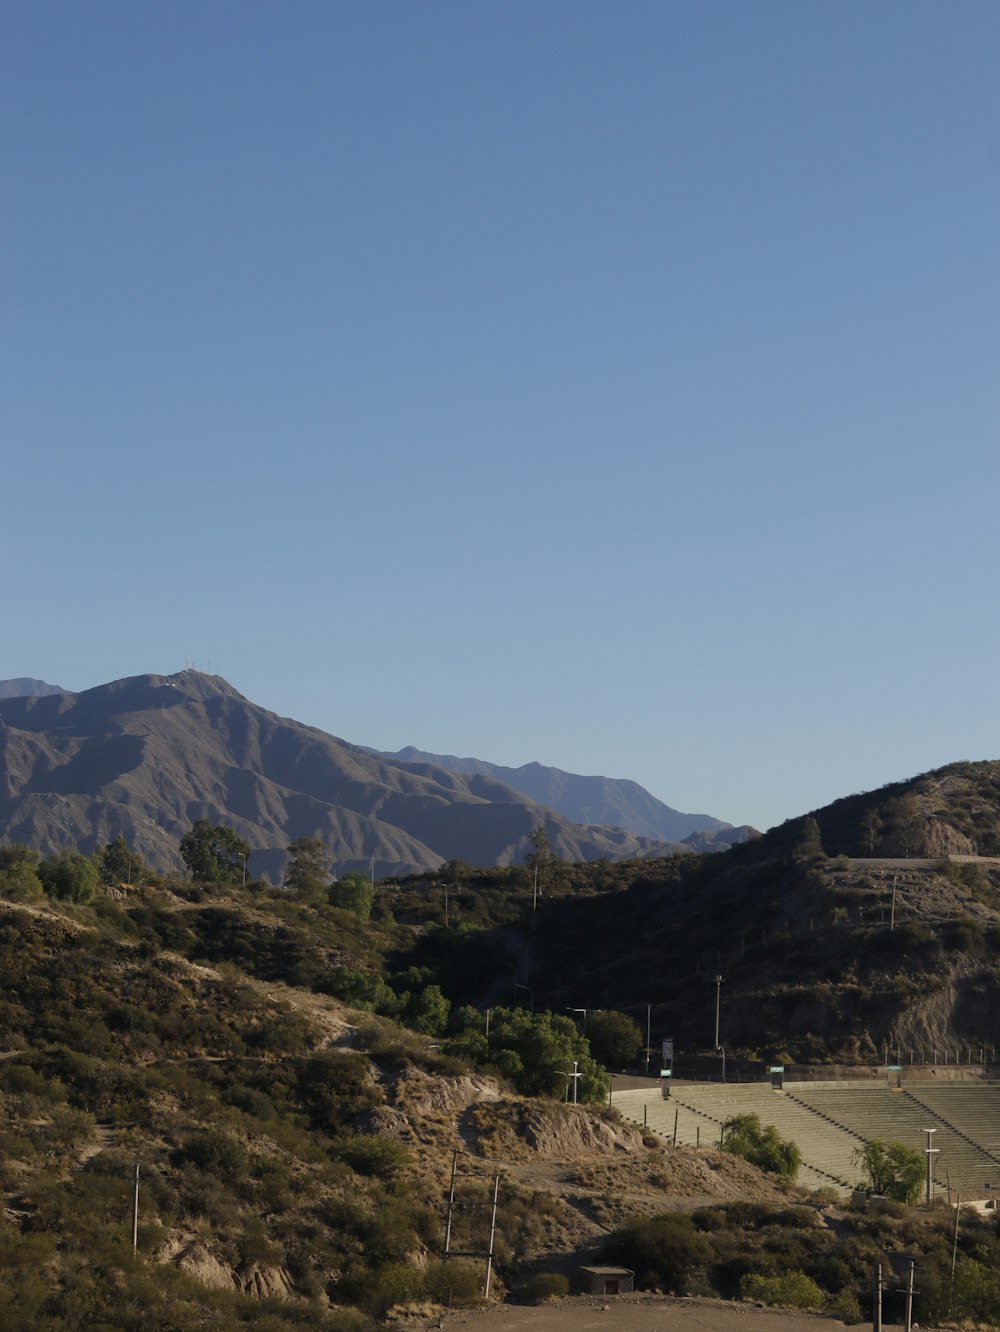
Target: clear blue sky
<point>612,385</point>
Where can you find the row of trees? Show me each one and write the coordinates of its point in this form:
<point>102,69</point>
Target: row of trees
<point>217,854</point>
<point>68,875</point>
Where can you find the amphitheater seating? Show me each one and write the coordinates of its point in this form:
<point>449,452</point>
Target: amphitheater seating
<point>829,1121</point>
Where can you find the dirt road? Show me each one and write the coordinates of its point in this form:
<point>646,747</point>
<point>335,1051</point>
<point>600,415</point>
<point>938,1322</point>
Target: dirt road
<point>640,1313</point>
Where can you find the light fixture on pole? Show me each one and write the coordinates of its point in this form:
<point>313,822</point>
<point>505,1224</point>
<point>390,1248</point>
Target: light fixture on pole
<point>573,1077</point>
<point>930,1152</point>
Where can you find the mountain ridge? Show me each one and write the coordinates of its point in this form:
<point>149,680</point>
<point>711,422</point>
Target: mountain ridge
<point>607,801</point>
<point>145,756</point>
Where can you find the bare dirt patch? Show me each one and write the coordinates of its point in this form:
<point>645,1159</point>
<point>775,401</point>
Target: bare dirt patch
<point>638,1313</point>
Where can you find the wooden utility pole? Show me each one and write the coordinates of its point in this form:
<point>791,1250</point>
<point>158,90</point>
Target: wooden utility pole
<point>471,1253</point>
<point>493,1231</point>
<point>135,1212</point>
<point>954,1253</point>
<point>908,1324</point>
<point>877,1302</point>
<point>451,1203</point>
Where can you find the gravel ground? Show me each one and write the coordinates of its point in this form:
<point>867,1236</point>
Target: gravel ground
<point>639,1313</point>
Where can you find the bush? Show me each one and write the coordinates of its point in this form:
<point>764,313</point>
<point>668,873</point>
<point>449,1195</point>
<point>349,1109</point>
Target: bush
<point>217,1154</point>
<point>663,1251</point>
<point>892,1169</point>
<point>791,1290</point>
<point>382,1157</point>
<point>844,1305</point>
<point>454,1283</point>
<point>763,1147</point>
<point>546,1286</point>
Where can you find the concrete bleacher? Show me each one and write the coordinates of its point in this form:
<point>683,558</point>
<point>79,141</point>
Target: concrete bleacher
<point>829,1121</point>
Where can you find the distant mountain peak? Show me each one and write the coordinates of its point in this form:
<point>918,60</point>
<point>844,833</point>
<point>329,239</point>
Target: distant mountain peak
<point>143,757</point>
<point>608,802</point>
<point>24,687</point>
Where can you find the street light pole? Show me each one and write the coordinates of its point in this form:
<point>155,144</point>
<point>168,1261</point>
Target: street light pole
<point>930,1152</point>
<point>579,1010</point>
<point>718,992</point>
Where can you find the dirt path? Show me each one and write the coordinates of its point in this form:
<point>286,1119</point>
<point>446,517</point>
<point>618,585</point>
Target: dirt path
<point>639,1313</point>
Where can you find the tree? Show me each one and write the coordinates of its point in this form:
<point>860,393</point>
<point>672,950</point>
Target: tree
<point>427,1011</point>
<point>536,1051</point>
<point>70,876</point>
<point>20,882</point>
<point>665,1251</point>
<point>307,873</point>
<point>354,892</point>
<point>118,863</point>
<point>892,1169</point>
<point>615,1040</point>
<point>761,1145</point>
<point>539,859</point>
<point>214,854</point>
<point>871,827</point>
<point>810,841</point>
<point>16,853</point>
<point>908,823</point>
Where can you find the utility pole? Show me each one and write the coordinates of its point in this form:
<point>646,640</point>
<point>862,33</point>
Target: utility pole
<point>877,1302</point>
<point>908,1324</point>
<point>135,1211</point>
<point>954,1253</point>
<point>649,1018</point>
<point>892,913</point>
<point>718,992</point>
<point>493,1231</point>
<point>451,1199</point>
<point>573,1077</point>
<point>930,1152</point>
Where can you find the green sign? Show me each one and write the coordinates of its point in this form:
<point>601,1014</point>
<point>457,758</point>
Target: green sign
<point>894,1068</point>
<point>666,1073</point>
<point>777,1068</point>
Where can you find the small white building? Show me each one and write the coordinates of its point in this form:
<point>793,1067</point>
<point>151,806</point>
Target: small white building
<point>607,1280</point>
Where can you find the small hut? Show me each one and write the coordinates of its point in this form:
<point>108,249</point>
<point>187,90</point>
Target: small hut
<point>607,1280</point>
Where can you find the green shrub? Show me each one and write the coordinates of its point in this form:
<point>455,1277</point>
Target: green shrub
<point>791,1290</point>
<point>454,1283</point>
<point>388,1285</point>
<point>762,1146</point>
<point>892,1169</point>
<point>216,1153</point>
<point>546,1286</point>
<point>844,1305</point>
<point>382,1157</point>
<point>663,1251</point>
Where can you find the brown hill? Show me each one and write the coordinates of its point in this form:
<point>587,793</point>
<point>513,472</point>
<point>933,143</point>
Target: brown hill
<point>146,756</point>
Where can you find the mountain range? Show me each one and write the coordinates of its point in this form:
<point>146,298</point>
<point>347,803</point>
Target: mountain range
<point>146,756</point>
<point>608,801</point>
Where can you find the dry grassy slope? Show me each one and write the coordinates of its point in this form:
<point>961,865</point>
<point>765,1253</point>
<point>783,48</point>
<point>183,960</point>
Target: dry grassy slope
<point>595,1169</point>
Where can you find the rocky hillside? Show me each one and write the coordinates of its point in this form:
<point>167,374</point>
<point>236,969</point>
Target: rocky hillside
<point>294,1153</point>
<point>871,924</point>
<point>146,756</point>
